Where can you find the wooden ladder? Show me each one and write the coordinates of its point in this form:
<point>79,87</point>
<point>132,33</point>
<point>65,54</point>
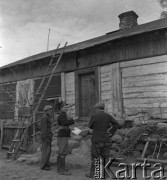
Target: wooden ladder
<point>16,143</point>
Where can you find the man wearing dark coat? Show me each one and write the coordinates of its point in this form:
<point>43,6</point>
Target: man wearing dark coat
<point>100,123</point>
<point>63,135</point>
<point>46,137</point>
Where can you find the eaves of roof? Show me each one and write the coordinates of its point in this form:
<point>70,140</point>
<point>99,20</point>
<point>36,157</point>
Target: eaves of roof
<point>148,27</point>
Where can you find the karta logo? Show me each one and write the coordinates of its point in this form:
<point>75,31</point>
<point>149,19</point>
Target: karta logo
<point>103,170</point>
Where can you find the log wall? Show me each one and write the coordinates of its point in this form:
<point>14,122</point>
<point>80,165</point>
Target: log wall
<point>144,86</point>
<point>110,87</point>
<point>70,92</point>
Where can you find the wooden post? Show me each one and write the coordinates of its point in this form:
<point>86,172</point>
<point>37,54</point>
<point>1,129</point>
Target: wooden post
<point>122,111</point>
<point>33,130</point>
<point>99,82</point>
<point>145,149</point>
<point>63,87</point>
<point>1,134</point>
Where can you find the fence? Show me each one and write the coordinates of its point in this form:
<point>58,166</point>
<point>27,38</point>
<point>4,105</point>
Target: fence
<point>7,135</point>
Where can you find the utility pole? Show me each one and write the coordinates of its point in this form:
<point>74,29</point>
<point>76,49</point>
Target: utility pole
<point>48,40</point>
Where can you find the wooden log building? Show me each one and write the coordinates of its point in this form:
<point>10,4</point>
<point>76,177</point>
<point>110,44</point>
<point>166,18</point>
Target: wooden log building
<point>126,69</point>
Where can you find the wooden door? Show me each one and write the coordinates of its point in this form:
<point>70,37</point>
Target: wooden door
<point>87,94</point>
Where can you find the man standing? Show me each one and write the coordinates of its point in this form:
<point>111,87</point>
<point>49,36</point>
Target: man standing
<point>63,135</point>
<point>100,122</point>
<point>46,136</point>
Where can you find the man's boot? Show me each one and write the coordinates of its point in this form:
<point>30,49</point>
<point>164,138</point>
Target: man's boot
<point>62,167</point>
<point>92,170</point>
<point>58,164</point>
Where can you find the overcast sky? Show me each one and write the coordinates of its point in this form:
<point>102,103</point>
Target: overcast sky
<point>24,24</point>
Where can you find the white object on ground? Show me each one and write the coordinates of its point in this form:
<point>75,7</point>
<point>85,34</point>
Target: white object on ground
<point>76,131</point>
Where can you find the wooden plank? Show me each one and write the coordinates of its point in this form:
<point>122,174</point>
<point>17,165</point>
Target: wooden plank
<point>149,80</point>
<point>106,96</point>
<point>70,91</point>
<point>99,81</point>
<point>111,88</point>
<point>145,102</point>
<point>107,74</point>
<point>105,86</point>
<point>105,79</point>
<point>86,97</point>
<point>116,89</point>
<point>145,149</point>
<point>105,69</point>
<point>63,86</point>
<point>69,81</point>
<point>70,88</point>
<point>145,69</point>
<point>133,111</point>
<point>1,133</point>
<point>145,89</point>
<point>145,95</point>
<point>138,62</point>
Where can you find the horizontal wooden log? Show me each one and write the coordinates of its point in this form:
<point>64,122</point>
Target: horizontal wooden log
<point>70,93</point>
<point>145,89</point>
<point>145,95</point>
<point>107,74</point>
<point>105,79</point>
<point>7,147</point>
<point>70,80</point>
<point>145,102</point>
<point>106,95</point>
<point>149,80</point>
<point>155,59</point>
<point>149,110</point>
<point>70,90</point>
<point>69,75</point>
<point>70,99</point>
<point>144,69</point>
<point>106,68</point>
<point>106,86</point>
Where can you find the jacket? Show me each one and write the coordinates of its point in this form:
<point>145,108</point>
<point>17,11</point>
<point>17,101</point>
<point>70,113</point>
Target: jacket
<point>46,125</point>
<point>63,122</point>
<point>100,122</point>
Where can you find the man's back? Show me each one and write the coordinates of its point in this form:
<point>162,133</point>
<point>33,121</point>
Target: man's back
<point>100,123</point>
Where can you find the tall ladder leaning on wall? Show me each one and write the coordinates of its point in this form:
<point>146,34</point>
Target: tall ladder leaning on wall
<point>22,131</point>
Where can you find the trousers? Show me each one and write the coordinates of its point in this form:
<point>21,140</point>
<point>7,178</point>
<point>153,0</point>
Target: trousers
<point>100,150</point>
<point>46,152</point>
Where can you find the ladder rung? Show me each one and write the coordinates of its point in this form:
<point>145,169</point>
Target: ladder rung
<point>39,93</point>
<point>16,140</point>
<point>52,65</point>
<point>56,55</point>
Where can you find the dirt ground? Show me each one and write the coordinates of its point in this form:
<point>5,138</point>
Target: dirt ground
<point>10,170</point>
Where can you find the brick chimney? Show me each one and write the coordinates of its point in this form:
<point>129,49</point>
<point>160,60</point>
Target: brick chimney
<point>128,20</point>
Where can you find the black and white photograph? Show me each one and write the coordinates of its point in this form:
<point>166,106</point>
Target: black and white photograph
<point>83,89</point>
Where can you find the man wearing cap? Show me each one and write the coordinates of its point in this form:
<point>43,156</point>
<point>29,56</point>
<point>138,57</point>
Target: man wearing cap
<point>100,123</point>
<point>63,135</point>
<point>46,136</point>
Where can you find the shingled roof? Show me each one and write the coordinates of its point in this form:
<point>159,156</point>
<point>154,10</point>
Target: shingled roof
<point>147,27</point>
